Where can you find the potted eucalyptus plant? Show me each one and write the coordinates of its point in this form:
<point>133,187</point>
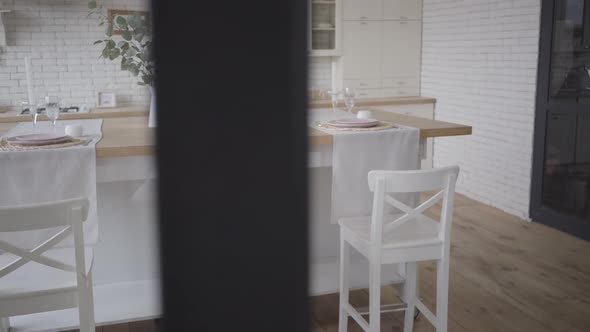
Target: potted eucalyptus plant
<point>133,47</point>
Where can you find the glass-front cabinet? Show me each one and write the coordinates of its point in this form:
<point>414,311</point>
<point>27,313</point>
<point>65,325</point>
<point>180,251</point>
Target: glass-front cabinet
<point>324,27</point>
<point>561,179</point>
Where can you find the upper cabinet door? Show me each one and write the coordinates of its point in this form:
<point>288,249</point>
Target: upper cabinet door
<point>361,46</point>
<point>354,10</point>
<point>401,48</point>
<point>402,9</point>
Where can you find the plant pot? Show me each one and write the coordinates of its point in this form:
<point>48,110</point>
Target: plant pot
<point>152,117</point>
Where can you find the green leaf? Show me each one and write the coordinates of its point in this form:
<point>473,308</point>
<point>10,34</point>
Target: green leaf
<point>134,21</point>
<point>130,52</point>
<point>105,52</point>
<point>138,36</point>
<point>133,69</point>
<point>123,44</point>
<point>109,30</point>
<point>110,44</point>
<point>121,21</point>
<point>98,42</point>
<point>146,79</point>
<point>127,35</point>
<point>92,4</point>
<point>114,53</point>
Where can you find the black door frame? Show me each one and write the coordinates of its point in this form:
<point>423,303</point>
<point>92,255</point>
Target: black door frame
<point>538,212</point>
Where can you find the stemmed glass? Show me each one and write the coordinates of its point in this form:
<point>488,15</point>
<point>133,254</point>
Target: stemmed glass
<point>334,98</point>
<point>349,99</point>
<point>52,109</point>
<point>32,112</point>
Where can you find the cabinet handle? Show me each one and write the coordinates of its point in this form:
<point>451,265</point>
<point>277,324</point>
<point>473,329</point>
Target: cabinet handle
<point>403,17</point>
<point>363,17</point>
<point>364,23</point>
<point>363,84</point>
<point>403,22</point>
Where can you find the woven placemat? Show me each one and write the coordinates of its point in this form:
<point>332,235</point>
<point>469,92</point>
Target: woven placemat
<point>7,147</point>
<point>381,126</point>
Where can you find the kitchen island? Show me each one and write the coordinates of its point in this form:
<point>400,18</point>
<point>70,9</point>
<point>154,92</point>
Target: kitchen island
<point>126,256</point>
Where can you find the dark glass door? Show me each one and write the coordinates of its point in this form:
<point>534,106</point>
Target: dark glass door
<point>561,169</point>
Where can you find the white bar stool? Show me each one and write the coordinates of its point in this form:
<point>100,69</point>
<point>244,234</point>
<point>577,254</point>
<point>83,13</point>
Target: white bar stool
<point>405,238</point>
<point>46,278</point>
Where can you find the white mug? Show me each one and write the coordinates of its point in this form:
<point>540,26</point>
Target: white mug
<point>74,130</point>
<point>364,114</point>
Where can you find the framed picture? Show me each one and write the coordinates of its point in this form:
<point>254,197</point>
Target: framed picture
<point>114,13</point>
<point>106,100</point>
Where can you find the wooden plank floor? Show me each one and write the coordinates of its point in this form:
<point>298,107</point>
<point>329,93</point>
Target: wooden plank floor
<point>507,275</point>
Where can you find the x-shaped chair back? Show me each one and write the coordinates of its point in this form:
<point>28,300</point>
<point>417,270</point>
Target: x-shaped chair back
<point>68,214</point>
<point>382,183</point>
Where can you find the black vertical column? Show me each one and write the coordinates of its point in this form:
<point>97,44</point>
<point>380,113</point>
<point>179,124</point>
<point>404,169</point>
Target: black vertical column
<point>232,147</point>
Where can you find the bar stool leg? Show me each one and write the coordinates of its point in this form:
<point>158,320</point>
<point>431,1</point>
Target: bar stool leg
<point>410,287</point>
<point>442,293</point>
<point>375,295</point>
<point>344,271</point>
<point>90,286</point>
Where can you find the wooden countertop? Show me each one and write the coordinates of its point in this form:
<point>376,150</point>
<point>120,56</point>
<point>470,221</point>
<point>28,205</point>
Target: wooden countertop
<point>130,136</point>
<point>428,128</point>
<point>123,137</point>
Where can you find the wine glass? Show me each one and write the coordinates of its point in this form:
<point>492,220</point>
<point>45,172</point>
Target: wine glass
<point>52,109</point>
<point>334,98</point>
<point>349,99</point>
<point>32,111</point>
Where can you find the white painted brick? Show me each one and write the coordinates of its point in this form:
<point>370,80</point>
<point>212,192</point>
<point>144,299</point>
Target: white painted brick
<point>58,36</point>
<point>479,60</point>
<point>320,73</point>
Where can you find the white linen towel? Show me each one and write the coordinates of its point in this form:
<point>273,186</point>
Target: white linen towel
<point>355,153</point>
<point>37,176</point>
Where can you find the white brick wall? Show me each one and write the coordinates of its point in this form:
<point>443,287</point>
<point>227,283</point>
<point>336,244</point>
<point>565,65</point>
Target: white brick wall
<point>58,36</point>
<point>480,62</point>
<point>320,71</point>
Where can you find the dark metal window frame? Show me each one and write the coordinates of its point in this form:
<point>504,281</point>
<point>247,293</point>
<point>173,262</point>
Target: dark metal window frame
<point>567,223</point>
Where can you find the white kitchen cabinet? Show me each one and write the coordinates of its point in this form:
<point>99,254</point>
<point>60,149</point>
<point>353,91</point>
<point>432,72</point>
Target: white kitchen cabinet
<point>362,9</point>
<point>401,55</point>
<point>325,27</point>
<point>363,83</point>
<point>402,9</point>
<point>421,111</point>
<point>381,52</point>
<point>361,46</point>
<point>401,92</point>
<point>400,82</point>
<point>368,93</point>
